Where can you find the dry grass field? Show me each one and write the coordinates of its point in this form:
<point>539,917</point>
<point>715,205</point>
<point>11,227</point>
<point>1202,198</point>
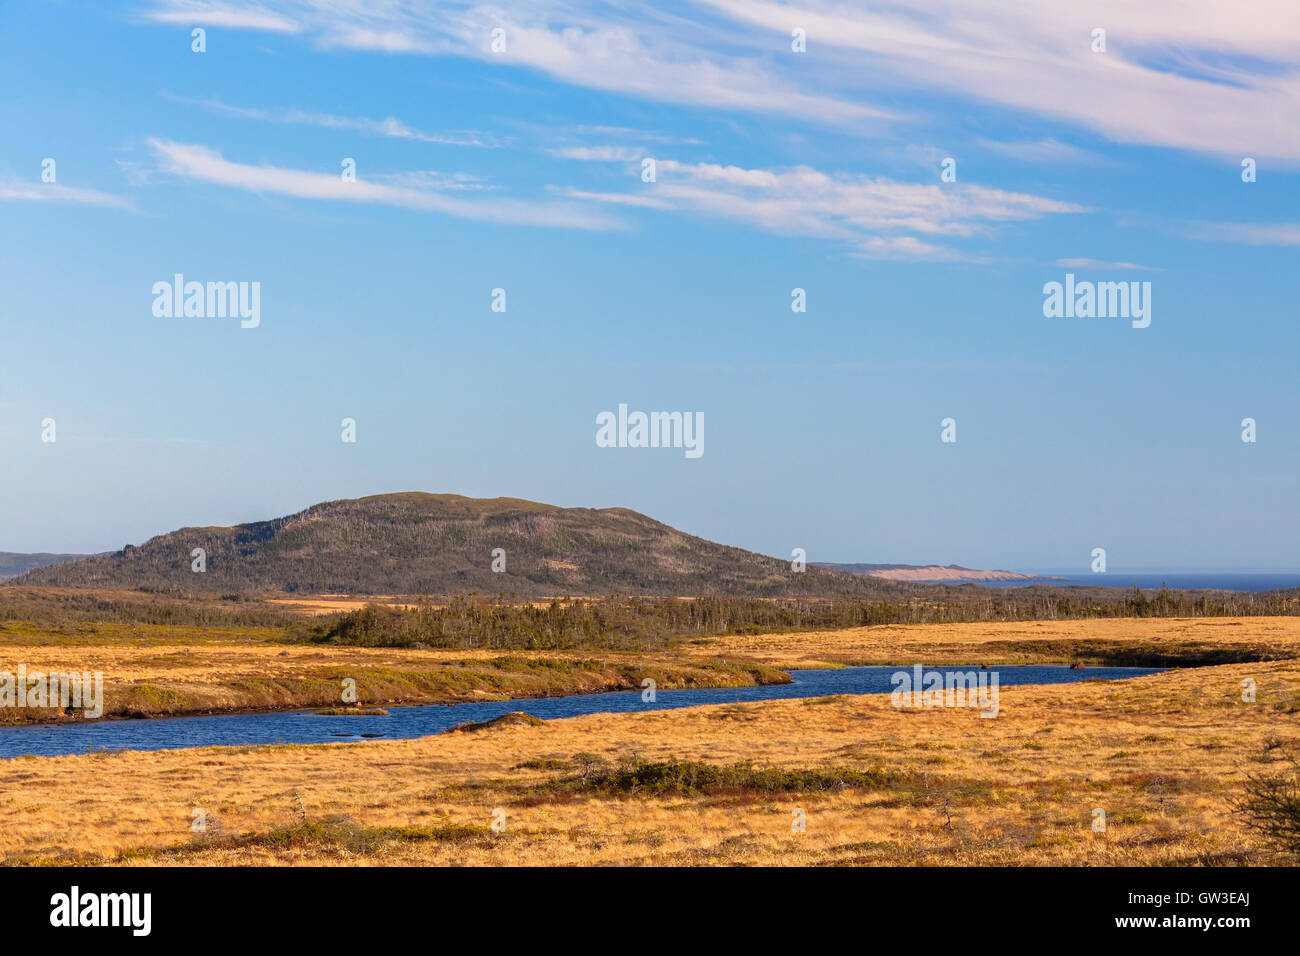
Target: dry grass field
<point>1164,756</point>
<point>1114,641</point>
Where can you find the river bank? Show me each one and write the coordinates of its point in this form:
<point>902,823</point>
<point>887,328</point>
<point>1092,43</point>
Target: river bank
<point>154,671</point>
<point>979,689</point>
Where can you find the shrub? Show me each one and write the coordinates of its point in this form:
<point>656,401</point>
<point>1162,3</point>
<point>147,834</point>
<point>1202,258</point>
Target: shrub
<point>1271,804</point>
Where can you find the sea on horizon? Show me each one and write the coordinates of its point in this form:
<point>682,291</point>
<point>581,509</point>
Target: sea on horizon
<point>1227,579</point>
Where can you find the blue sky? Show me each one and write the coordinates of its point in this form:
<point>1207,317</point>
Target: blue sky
<point>522,170</point>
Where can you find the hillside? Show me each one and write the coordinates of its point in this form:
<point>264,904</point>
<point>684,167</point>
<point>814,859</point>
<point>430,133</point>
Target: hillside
<point>416,543</point>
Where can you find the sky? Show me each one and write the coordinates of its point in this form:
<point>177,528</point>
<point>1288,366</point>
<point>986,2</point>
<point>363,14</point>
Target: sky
<point>921,171</point>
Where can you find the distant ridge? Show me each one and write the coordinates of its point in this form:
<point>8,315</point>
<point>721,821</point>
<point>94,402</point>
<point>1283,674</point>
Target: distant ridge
<point>929,573</point>
<point>418,543</point>
<point>14,563</point>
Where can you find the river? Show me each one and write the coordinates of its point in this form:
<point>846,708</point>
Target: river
<point>420,720</point>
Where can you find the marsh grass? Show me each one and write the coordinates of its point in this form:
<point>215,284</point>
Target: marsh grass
<point>337,836</point>
<point>688,778</point>
<point>337,833</point>
<point>516,718</point>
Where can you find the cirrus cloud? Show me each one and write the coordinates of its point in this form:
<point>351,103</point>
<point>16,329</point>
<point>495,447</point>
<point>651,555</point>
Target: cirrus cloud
<point>422,193</point>
<point>878,217</point>
<point>1193,75</point>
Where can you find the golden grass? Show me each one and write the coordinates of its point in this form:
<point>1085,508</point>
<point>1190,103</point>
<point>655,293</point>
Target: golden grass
<point>1163,755</point>
<point>1024,642</point>
<point>115,634</point>
<point>333,603</point>
<point>320,604</point>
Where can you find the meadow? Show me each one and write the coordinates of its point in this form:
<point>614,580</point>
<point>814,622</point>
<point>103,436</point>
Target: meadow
<point>1168,758</point>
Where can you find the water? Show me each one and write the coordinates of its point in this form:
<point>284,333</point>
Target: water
<point>307,727</point>
<point>1191,579</point>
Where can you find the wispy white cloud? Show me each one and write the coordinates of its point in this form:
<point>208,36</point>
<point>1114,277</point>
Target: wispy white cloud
<point>430,179</point>
<point>377,41</point>
<point>231,16</point>
<point>1047,150</point>
<point>655,65</point>
<point>907,247</point>
<point>877,217</point>
<point>1249,233</point>
<point>390,126</point>
<point>203,164</point>
<point>617,199</point>
<point>18,191</point>
<point>1103,264</point>
<point>602,154</point>
<point>632,55</point>
<point>1187,74</point>
<point>1161,80</point>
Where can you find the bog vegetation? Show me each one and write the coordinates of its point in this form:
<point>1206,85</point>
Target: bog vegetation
<point>1271,802</point>
<point>634,776</point>
<point>626,622</point>
<point>154,606</point>
<point>636,623</point>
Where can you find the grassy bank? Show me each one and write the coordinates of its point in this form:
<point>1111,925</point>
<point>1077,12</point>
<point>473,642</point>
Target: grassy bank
<point>159,670</point>
<point>165,682</point>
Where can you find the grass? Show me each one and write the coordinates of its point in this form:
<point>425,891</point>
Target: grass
<point>158,681</point>
<point>636,777</point>
<point>1174,759</point>
<point>1148,642</point>
<point>1168,757</point>
<point>338,837</point>
<point>515,718</point>
<point>340,833</point>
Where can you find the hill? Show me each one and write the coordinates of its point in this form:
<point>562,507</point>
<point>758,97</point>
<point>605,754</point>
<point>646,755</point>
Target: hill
<point>416,543</point>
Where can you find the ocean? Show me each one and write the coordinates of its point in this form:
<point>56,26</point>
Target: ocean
<point>1232,580</point>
